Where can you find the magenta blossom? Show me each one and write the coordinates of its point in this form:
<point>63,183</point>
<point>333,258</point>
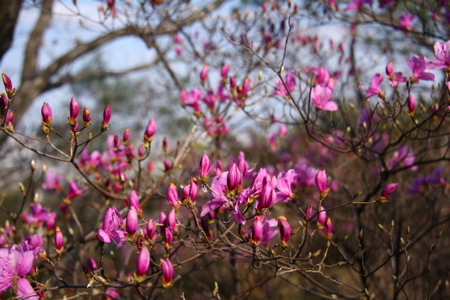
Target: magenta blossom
<point>394,77</point>
<point>406,20</point>
<point>320,97</point>
<point>418,66</point>
<point>442,51</point>
<point>15,264</point>
<point>284,88</point>
<point>110,230</point>
<point>374,88</point>
<point>74,190</point>
<point>52,181</point>
<point>389,189</point>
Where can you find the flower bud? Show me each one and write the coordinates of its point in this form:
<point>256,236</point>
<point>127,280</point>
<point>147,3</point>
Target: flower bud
<point>172,195</point>
<point>389,189</point>
<point>257,233</point>
<point>126,136</point>
<point>328,227</point>
<point>205,166</point>
<point>167,273</point>
<point>10,91</point>
<point>92,264</point>
<point>168,238</point>
<point>322,216</point>
<point>3,102</point>
<point>285,231</point>
<point>267,197</point>
<point>59,242</point>
<point>321,181</point>
<point>9,120</point>
<point>86,117</point>
<point>234,178</point>
<point>167,165</point>
<point>204,74</point>
<point>411,101</point>
<point>224,72</point>
<point>134,200</point>
<point>47,115</point>
<point>189,192</point>
<point>74,109</point>
<point>143,262</point>
<point>149,132</point>
<point>308,213</point>
<point>151,230</point>
<point>132,221</point>
<point>106,118</point>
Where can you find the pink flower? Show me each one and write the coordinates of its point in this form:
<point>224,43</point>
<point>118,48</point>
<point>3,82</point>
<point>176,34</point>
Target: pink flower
<point>167,273</point>
<point>134,200</point>
<point>406,20</point>
<point>47,115</point>
<point>320,97</point>
<point>52,181</point>
<point>234,178</point>
<point>442,51</point>
<point>283,89</point>
<point>10,91</point>
<point>257,231</point>
<point>106,118</point>
<point>418,66</point>
<point>74,190</point>
<point>59,239</point>
<point>328,227</point>
<point>357,4</point>
<point>321,181</point>
<point>150,130</point>
<point>110,230</point>
<point>285,231</point>
<point>132,221</point>
<point>204,74</point>
<point>15,264</point>
<point>172,195</point>
<point>411,101</point>
<point>322,216</point>
<point>394,78</point>
<point>374,88</point>
<point>143,262</point>
<point>389,189</point>
<point>205,165</point>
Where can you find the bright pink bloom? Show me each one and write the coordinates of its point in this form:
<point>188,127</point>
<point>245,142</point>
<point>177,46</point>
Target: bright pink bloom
<point>167,273</point>
<point>418,66</point>
<point>110,230</point>
<point>267,197</point>
<point>92,264</point>
<point>394,77</point>
<point>442,51</point>
<point>168,237</point>
<point>15,264</point>
<point>321,181</point>
<point>283,89</point>
<point>171,220</point>
<point>143,262</point>
<point>9,119</point>
<point>411,101</point>
<point>374,88</point>
<point>406,20</point>
<point>74,190</point>
<point>320,97</point>
<point>52,181</point>
<point>284,185</point>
